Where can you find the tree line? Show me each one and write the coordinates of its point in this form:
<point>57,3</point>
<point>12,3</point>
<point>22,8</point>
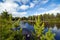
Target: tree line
<point>44,17</point>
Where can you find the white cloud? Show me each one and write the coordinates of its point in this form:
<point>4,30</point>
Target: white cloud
<point>19,14</point>
<point>52,5</point>
<point>11,0</point>
<point>11,7</point>
<point>8,6</point>
<point>54,11</point>
<point>42,9</point>
<point>24,7</point>
<point>25,1</point>
<point>36,13</point>
<point>32,5</point>
<point>36,1</point>
<point>44,1</point>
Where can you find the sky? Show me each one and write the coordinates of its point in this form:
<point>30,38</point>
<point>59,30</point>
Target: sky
<point>21,8</point>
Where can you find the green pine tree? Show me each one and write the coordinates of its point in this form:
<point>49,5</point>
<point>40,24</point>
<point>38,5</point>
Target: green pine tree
<point>39,30</point>
<point>39,27</point>
<point>49,35</point>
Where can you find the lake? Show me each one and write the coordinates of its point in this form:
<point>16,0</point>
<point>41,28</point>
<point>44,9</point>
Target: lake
<point>30,27</point>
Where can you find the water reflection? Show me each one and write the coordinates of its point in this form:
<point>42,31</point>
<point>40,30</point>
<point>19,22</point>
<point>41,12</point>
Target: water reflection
<point>30,28</point>
<point>27,26</point>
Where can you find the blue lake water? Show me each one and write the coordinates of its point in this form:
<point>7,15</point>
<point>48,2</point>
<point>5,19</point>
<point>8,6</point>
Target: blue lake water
<point>31,28</point>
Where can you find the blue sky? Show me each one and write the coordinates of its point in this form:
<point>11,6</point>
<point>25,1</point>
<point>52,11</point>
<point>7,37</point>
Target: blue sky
<point>20,8</point>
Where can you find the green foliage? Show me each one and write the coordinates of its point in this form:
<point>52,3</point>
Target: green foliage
<point>49,35</point>
<point>38,27</point>
<point>6,24</point>
<point>39,30</point>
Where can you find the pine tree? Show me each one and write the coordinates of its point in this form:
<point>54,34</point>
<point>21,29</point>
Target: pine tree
<point>49,35</point>
<point>39,27</point>
<point>39,30</point>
